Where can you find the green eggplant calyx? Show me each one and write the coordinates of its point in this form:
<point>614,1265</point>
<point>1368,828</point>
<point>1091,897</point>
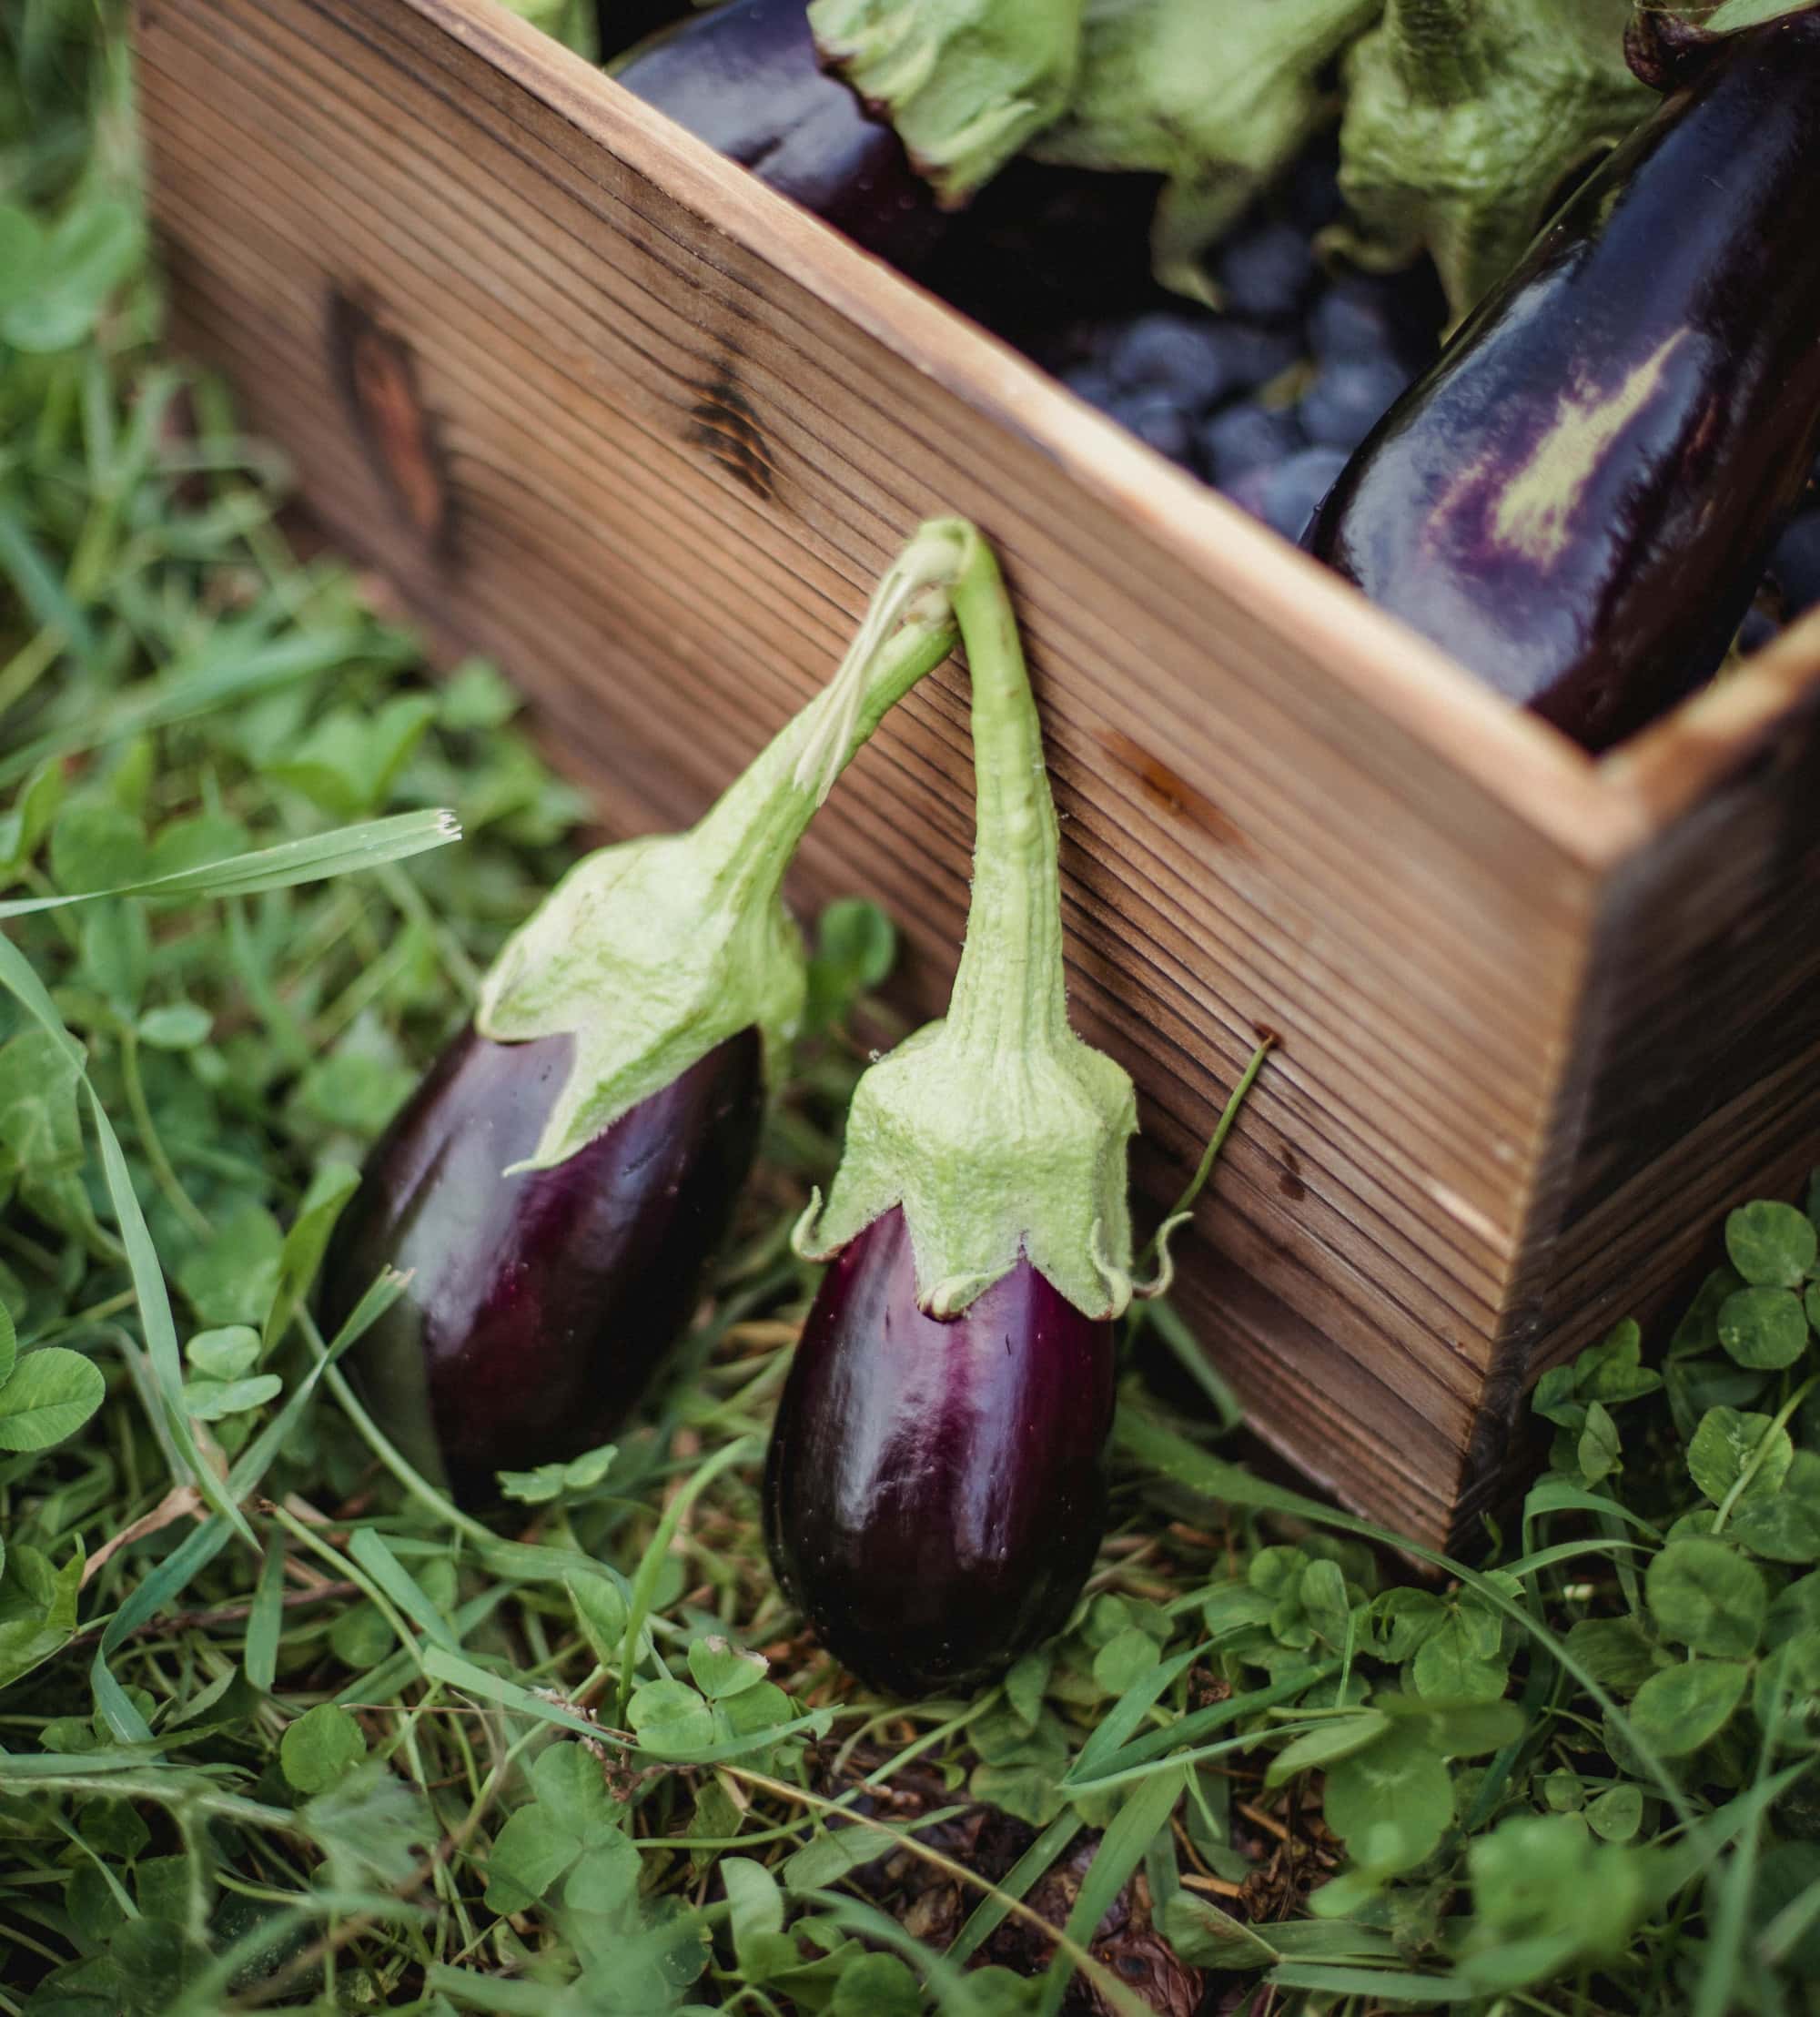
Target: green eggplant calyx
<point>650,952</point>
<point>1466,119</point>
<point>966,83</point>
<point>997,1130</point>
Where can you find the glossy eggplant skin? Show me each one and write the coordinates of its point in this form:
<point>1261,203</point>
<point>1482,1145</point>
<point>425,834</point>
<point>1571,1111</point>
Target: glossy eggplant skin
<point>540,1303</point>
<point>1577,501</point>
<point>746,78</point>
<point>933,1495</point>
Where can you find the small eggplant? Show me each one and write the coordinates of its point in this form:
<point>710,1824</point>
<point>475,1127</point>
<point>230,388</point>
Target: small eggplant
<point>562,1178</point>
<point>933,1498</point>
<point>1578,499</point>
<point>934,1487</point>
<point>745,77</point>
<point>538,1303</point>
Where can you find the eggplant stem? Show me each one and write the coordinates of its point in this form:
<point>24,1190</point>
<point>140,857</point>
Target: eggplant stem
<point>1009,987</point>
<point>751,834</point>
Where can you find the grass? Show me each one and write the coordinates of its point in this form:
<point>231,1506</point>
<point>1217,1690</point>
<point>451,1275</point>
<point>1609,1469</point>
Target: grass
<point>281,1729</point>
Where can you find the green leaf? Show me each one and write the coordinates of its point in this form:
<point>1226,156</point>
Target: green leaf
<point>1708,1597</point>
<point>1763,1327</point>
<point>215,1399</point>
<point>877,1985</point>
<point>1123,1661</point>
<point>1683,1707</point>
<point>529,1853</point>
<point>176,1026</point>
<point>1617,1652</point>
<point>754,1901</point>
<point>323,1746</point>
<point>856,948</point>
<point>1771,1244</point>
<point>720,1669</point>
<point>1461,1662</point>
<point>1785,1696</point>
<point>1204,1937</point>
<point>599,1608</point>
<point>1321,1745</point>
<point>38,1609</point>
<point>1400,1621</point>
<point>1617,1813</point>
<point>79,263</point>
<point>9,1345</point>
<point>671,1720</point>
<point>1599,1451</point>
<point>1780,1529</point>
<point>1728,1443</point>
<point>50,1394</point>
<point>1796,1609</point>
<point>1547,1897</point>
<point>224,1355</point>
<point>1392,1802</point>
<point>348,760</point>
<point>555,1481</point>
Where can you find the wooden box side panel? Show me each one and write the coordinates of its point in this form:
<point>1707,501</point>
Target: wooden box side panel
<point>655,478</point>
<point>1695,1083</point>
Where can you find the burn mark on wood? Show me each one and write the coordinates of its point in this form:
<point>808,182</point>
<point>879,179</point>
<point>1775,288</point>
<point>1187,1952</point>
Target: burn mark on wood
<point>724,421</point>
<point>375,373</point>
<point>1170,793</point>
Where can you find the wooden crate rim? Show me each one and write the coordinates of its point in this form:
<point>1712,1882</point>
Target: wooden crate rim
<point>1598,812</point>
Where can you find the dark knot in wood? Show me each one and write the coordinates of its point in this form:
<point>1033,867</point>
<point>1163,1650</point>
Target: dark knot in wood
<point>375,373</point>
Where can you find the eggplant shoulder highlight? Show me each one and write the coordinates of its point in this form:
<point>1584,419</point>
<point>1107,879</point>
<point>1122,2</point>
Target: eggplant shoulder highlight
<point>934,1494</point>
<point>1578,499</point>
<point>538,1302</point>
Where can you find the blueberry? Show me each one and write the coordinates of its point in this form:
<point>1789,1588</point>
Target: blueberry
<point>1154,417</point>
<point>1289,495</point>
<point>1266,271</point>
<point>1351,320</point>
<point>1254,356</point>
<point>1349,398</point>
<point>1180,352</point>
<point>1245,438</point>
<point>1089,383</point>
<point>1796,563</point>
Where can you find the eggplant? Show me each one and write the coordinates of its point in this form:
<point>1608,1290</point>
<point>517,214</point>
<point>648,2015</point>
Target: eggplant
<point>745,77</point>
<point>538,1303</point>
<point>1578,499</point>
<point>934,1488</point>
<point>932,1497</point>
<point>558,1182</point>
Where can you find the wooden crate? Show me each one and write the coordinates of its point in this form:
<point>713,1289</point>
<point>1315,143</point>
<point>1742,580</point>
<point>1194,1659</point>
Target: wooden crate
<point>604,408</point>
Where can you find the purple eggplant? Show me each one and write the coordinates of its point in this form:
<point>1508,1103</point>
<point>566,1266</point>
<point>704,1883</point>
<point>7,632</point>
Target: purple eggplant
<point>933,1495</point>
<point>1578,499</point>
<point>538,1303</point>
<point>560,1180</point>
<point>746,78</point>
<point>932,1492</point>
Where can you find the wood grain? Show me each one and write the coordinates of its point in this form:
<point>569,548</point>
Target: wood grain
<point>633,426</point>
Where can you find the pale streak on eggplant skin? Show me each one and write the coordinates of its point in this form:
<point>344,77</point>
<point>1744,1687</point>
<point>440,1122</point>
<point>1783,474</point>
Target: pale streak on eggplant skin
<point>1535,515</point>
<point>1597,584</point>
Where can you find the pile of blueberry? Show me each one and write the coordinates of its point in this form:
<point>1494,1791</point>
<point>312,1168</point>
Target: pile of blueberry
<point>1268,398</point>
